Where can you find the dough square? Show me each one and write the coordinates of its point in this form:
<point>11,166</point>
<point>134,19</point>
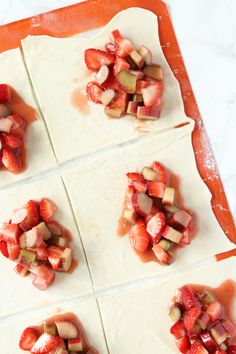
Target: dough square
<point>40,155</point>
<point>57,69</point>
<point>137,321</point>
<point>97,190</point>
<point>86,311</point>
<point>20,293</point>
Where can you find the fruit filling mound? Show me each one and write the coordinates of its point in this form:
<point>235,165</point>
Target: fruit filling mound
<point>200,325</point>
<point>36,243</point>
<point>12,132</point>
<point>126,80</point>
<point>150,214</point>
<point>59,336</point>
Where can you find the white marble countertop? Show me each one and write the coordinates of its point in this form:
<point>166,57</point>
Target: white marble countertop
<point>206,32</point>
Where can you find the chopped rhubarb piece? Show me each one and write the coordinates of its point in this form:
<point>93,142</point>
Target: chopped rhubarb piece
<point>146,54</point>
<point>219,333</point>
<point>13,251</point>
<point>182,218</point>
<point>208,341</point>
<point>4,249</point>
<point>10,160</point>
<point>187,298</point>
<point>190,317</point>
<point>120,64</point>
<point>5,125</point>
<point>138,98</point>
<point>28,338</point>
<point>32,218</point>
<point>27,257</point>
<point>102,74</point>
<point>207,297</point>
<point>34,238</point>
<point>171,208</point>
<point>229,327</point>
<point>44,276</point>
<point>50,328</point>
<point>132,108</point>
<point>47,209</point>
<point>113,112</point>
<point>21,270</point>
<point>54,256</point>
<point>137,181</point>
<point>5,111</point>
<point>67,329</point>
<point>41,252</point>
<point>151,113</point>
<point>178,330</point>
<point>130,216</point>
<point>139,237</point>
<point>152,95</point>
<point>171,234</point>
<point>22,240</point>
<point>121,42</point>
<point>214,311</point>
<point>44,230</point>
<point>183,344</point>
<point>186,238</point>
<point>142,204</point>
<point>94,92</point>
<point>162,256</point>
<point>175,313</point>
<point>149,174</point>
<point>197,348</point>
<point>120,102</point>
<point>57,241</point>
<point>156,225</point>
<point>203,320</point>
<point>154,71</point>
<point>10,233</point>
<point>141,84</point>
<point>107,96</point>
<point>138,74</point>
<point>19,215</point>
<point>66,259</point>
<point>168,196</point>
<point>95,58</point>
<point>165,244</point>
<point>137,59</point>
<point>161,171</point>
<point>5,93</point>
<point>47,343</point>
<point>127,81</point>
<point>54,228</point>
<point>75,345</point>
<point>156,189</point>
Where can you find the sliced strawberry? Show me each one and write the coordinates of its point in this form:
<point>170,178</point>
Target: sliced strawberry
<point>156,225</point>
<point>137,181</point>
<point>42,252</point>
<point>13,250</point>
<point>220,351</point>
<point>47,209</point>
<point>215,311</point>
<point>4,249</point>
<point>128,203</point>
<point>186,238</point>
<point>152,95</point>
<point>140,85</point>
<point>120,101</point>
<point>94,91</point>
<point>190,317</point>
<point>231,349</point>
<point>120,64</point>
<point>32,218</point>
<point>111,48</point>
<point>124,44</point>
<point>187,298</point>
<point>10,233</point>
<point>142,204</point>
<point>46,343</point>
<point>54,256</point>
<point>162,174</point>
<point>154,210</point>
<point>139,237</point>
<point>10,160</point>
<point>55,228</point>
<point>198,348</point>
<point>21,270</point>
<point>5,125</point>
<point>18,122</point>
<point>28,338</point>
<point>5,93</point>
<point>95,58</point>
<point>18,215</point>
<point>183,344</point>
<point>111,83</point>
<point>162,256</point>
<point>178,330</point>
<point>137,73</point>
<point>13,140</point>
<point>156,189</point>
<point>208,341</point>
<point>44,276</point>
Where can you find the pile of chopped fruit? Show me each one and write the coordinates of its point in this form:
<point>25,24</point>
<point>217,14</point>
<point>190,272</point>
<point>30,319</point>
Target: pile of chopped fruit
<point>200,324</point>
<point>36,242</point>
<point>11,133</point>
<point>126,80</point>
<point>156,223</point>
<point>59,337</point>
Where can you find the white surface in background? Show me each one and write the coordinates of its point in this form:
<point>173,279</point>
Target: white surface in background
<point>206,32</point>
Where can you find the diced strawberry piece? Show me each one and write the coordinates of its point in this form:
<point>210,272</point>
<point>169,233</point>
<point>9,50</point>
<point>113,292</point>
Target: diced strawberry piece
<point>13,250</point>
<point>187,298</point>
<point>128,203</point>
<point>32,218</point>
<point>10,233</point>
<point>42,252</point>
<point>229,327</point>
<point>54,256</point>
<point>214,311</point>
<point>162,256</point>
<point>154,210</point>
<point>208,341</point>
<point>183,344</point>
<point>142,204</point>
<point>137,73</point>
<point>111,48</point>
<point>94,92</point>
<point>156,225</point>
<point>18,215</point>
<point>13,140</point>
<point>186,238</point>
<point>137,181</point>
<point>95,58</point>
<point>44,276</point>
<point>162,174</point>
<point>232,349</point>
<point>47,343</point>
<point>28,338</point>
<point>121,42</point>
<point>220,351</point>
<point>156,189</point>
<point>140,85</point>
<point>139,237</point>
<point>178,330</point>
<point>120,101</point>
<point>4,249</point>
<point>120,64</point>
<point>17,122</point>
<point>197,348</point>
<point>190,317</point>
<point>5,125</point>
<point>10,160</point>
<point>152,95</point>
<point>111,83</point>
<point>5,93</point>
<point>54,228</point>
<point>47,209</point>
<point>21,270</point>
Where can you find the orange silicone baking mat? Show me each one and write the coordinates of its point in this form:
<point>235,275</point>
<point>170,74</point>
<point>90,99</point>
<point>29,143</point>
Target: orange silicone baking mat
<point>93,14</point>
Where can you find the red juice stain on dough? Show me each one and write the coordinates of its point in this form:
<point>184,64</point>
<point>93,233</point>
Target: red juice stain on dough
<point>80,101</point>
<point>69,316</point>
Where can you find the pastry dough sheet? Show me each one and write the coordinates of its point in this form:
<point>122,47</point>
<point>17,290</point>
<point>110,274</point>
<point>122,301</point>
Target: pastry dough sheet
<point>57,70</point>
<point>87,312</point>
<point>97,191</point>
<point>40,156</point>
<point>17,293</point>
<point>137,322</point>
